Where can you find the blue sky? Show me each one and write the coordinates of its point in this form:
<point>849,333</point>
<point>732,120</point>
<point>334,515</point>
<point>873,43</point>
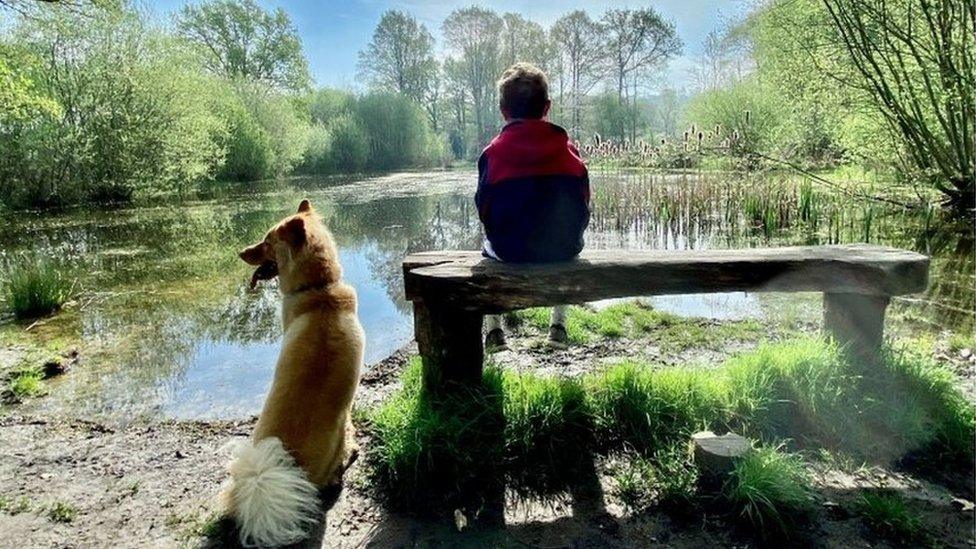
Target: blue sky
<point>333,31</point>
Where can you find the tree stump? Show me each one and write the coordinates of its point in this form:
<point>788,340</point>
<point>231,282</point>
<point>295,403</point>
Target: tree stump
<point>715,456</point>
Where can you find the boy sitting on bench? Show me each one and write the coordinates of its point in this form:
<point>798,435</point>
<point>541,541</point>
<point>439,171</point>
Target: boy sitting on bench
<point>533,189</point>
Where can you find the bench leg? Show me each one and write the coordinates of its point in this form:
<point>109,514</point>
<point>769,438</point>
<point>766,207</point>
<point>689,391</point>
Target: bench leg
<point>450,344</point>
<point>856,322</point>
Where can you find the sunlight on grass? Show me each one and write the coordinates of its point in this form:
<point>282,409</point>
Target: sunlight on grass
<point>535,434</point>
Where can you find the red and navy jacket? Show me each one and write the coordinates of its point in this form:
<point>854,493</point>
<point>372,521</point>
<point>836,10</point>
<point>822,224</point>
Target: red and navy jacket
<point>533,193</point>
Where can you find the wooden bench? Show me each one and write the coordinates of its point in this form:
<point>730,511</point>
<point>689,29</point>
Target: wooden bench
<point>451,291</point>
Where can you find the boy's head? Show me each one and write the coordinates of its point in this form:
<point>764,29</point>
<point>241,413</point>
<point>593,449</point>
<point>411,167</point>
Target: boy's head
<point>523,92</point>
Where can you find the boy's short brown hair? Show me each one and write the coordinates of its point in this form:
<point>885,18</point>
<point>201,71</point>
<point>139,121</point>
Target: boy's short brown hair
<point>523,91</point>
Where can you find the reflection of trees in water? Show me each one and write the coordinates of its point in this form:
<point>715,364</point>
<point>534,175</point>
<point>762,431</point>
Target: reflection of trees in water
<point>389,229</point>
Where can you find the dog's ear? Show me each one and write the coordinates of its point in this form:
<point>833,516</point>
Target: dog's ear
<point>293,231</point>
<point>305,206</point>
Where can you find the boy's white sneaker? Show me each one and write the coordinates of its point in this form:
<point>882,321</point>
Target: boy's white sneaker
<point>558,338</point>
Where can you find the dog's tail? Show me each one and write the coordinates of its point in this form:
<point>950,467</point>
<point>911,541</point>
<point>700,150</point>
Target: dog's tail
<point>268,495</point>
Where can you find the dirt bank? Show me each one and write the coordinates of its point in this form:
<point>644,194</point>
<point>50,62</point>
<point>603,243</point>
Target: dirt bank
<point>74,483</point>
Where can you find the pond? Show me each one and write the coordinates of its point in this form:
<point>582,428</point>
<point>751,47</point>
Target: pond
<point>170,330</point>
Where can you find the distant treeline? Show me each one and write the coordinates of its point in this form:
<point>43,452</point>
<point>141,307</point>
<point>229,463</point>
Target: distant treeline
<point>100,104</point>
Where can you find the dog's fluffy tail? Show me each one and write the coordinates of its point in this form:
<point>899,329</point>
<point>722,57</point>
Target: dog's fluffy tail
<point>269,496</point>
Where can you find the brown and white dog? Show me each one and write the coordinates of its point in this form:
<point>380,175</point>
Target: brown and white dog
<point>303,438</point>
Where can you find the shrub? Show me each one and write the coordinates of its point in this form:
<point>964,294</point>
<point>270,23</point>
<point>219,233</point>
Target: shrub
<point>35,285</point>
<point>398,132</point>
<point>249,156</point>
<point>770,490</point>
<point>350,146</point>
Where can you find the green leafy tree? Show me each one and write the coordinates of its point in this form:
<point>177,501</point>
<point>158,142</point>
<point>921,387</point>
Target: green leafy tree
<point>471,34</point>
<point>240,39</point>
<point>400,57</point>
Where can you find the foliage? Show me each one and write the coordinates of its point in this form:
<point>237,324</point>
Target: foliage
<point>241,40</point>
<point>770,490</point>
<point>398,132</point>
<point>128,115</point>
<point>400,57</point>
<point>35,285</point>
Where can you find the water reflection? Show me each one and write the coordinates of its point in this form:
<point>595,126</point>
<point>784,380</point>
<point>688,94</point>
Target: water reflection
<point>170,328</point>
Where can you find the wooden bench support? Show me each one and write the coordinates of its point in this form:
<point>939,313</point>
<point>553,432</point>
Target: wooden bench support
<point>856,322</point>
<point>451,290</point>
<point>450,344</point>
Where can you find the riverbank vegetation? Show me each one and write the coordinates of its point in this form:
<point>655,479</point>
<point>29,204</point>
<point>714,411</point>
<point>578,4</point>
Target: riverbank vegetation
<point>106,103</point>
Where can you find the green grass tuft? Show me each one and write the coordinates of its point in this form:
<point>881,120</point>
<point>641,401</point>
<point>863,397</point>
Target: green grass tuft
<point>27,382</point>
<point>770,490</point>
<point>667,478</point>
<point>35,286</point>
<point>890,514</point>
<point>61,512</point>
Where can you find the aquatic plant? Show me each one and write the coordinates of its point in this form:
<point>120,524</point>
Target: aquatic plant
<point>35,285</point>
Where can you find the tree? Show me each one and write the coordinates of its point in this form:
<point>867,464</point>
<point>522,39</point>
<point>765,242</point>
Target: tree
<point>580,43</point>
<point>915,59</point>
<point>400,57</point>
<point>242,40</point>
<point>637,41</point>
<point>472,35</point>
<point>524,40</point>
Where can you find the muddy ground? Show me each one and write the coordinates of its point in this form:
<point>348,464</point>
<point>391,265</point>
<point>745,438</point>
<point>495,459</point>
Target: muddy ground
<point>75,483</point>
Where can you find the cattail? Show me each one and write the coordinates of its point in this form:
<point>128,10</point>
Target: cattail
<point>747,116</point>
<point>700,137</point>
<point>663,141</point>
<point>686,135</point>
<point>718,129</point>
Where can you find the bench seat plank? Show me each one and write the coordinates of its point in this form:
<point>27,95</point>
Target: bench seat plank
<point>465,280</point>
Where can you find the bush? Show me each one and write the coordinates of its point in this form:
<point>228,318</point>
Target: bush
<point>128,115</point>
<point>35,286</point>
<point>398,131</point>
<point>350,146</point>
<point>249,154</point>
<point>770,490</point>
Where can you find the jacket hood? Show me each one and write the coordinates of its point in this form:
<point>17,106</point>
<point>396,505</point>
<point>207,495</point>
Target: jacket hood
<point>532,142</point>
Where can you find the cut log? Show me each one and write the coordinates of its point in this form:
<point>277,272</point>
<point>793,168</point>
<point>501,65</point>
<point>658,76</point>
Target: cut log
<point>469,281</point>
<point>715,455</point>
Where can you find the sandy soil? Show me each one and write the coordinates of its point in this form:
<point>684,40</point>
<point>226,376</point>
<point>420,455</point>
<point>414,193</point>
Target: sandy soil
<point>74,483</point>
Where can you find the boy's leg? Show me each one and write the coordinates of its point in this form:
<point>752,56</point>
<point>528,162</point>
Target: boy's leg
<point>557,327</point>
<point>495,338</point>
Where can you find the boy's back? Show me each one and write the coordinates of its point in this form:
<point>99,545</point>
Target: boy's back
<point>533,188</point>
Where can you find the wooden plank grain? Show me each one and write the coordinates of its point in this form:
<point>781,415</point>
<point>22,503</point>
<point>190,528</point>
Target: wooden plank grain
<point>468,281</point>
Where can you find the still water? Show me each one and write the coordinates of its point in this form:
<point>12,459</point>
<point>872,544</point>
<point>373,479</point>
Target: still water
<point>170,330</point>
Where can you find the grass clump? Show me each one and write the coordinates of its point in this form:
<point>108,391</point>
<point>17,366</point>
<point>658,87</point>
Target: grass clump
<point>438,450</point>
<point>668,478</point>
<point>644,409</point>
<point>61,512</point>
<point>35,286</point>
<point>548,432</point>
<point>770,489</point>
<point>27,382</point>
<point>890,514</point>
